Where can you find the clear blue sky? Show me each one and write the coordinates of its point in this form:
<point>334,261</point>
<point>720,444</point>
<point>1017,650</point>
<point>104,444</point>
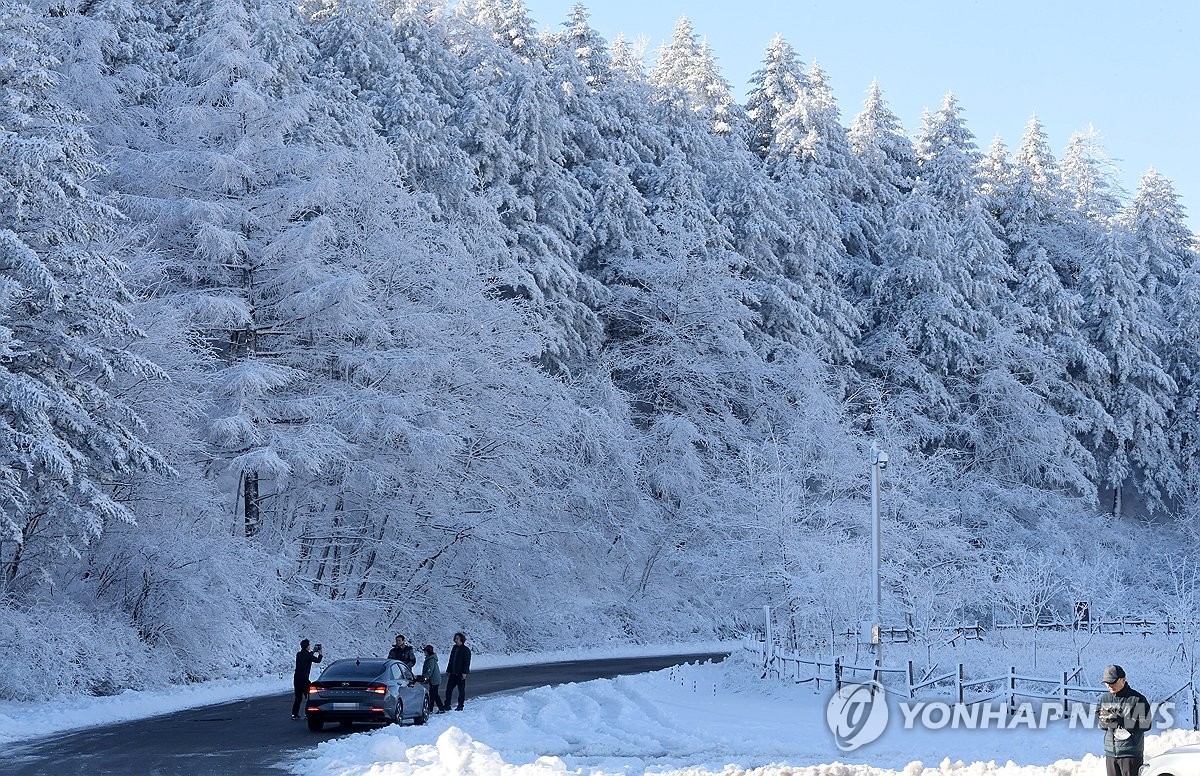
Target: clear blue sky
<point>1125,67</point>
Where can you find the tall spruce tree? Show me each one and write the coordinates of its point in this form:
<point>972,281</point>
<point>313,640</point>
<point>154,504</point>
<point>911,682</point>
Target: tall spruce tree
<point>1089,177</point>
<point>1139,396</point>
<point>1161,237</point>
<point>1164,247</point>
<point>947,155</point>
<point>774,89</point>
<point>687,72</point>
<point>64,432</point>
<point>887,154</point>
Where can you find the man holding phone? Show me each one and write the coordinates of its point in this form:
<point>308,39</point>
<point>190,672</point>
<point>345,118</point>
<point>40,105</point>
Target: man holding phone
<point>304,660</point>
<point>1124,717</point>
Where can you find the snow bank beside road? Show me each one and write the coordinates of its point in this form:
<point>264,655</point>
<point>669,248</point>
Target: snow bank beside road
<point>22,720</point>
<point>692,721</point>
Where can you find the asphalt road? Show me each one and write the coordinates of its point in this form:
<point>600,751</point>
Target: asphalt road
<point>253,736</point>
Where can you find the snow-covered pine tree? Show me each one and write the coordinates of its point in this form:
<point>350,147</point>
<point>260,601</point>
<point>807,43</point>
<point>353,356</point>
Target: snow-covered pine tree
<point>996,176</point>
<point>1037,160</point>
<point>506,21</point>
<point>886,152</point>
<point>112,55</point>
<point>403,70</point>
<point>807,165</point>
<point>1161,237</point>
<point>1164,246</point>
<point>1182,358</point>
<point>65,435</point>
<point>611,137</point>
<point>628,58</point>
<point>1090,177</point>
<point>1010,384</point>
<point>947,156</point>
<point>1052,220</point>
<point>686,71</point>
<point>774,89</point>
<point>1124,322</point>
<point>514,129</point>
<point>237,184</point>
<point>588,48</point>
<point>678,347</point>
<point>811,136</point>
<point>920,333</point>
<point>1060,362</point>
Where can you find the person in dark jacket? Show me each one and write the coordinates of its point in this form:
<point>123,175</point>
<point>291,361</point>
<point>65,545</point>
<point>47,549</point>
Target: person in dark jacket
<point>432,676</point>
<point>1125,717</point>
<point>403,652</point>
<point>457,668</point>
<point>304,661</point>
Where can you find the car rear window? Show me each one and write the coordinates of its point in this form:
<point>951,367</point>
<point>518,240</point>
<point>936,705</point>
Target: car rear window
<point>354,669</point>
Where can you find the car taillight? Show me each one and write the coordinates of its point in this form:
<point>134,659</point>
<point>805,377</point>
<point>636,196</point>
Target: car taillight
<point>313,689</point>
<point>376,710</point>
<point>381,689</point>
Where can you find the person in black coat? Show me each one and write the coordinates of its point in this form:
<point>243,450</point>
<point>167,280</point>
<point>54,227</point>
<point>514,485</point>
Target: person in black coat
<point>304,661</point>
<point>457,667</point>
<point>1125,716</point>
<point>403,652</point>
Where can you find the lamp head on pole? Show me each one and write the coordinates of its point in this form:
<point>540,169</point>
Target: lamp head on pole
<point>881,459</point>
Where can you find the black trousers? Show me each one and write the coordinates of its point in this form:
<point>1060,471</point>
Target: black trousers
<point>460,681</point>
<point>435,699</point>
<point>1123,766</point>
<point>301,689</point>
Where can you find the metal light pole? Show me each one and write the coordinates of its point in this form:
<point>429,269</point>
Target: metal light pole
<point>879,460</point>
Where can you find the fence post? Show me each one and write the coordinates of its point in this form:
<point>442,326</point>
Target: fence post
<point>1195,722</point>
<point>961,677</point>
<point>912,690</point>
<point>837,674</point>
<point>1066,700</point>
<point>1012,690</point>
<point>767,646</point>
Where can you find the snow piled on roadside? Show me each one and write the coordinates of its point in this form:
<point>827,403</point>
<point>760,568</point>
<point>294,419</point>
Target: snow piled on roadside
<point>692,721</point>
<point>21,720</point>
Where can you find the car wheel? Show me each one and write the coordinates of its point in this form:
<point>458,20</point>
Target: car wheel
<point>398,719</point>
<point>423,717</point>
<point>315,723</point>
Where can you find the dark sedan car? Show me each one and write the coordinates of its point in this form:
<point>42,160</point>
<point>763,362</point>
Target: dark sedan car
<point>366,689</point>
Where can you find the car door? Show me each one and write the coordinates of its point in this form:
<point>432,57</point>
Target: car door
<point>412,693</point>
<point>402,690</point>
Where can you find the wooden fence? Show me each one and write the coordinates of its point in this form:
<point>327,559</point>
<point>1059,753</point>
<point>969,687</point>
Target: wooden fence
<point>1064,689</point>
<point>1125,626</point>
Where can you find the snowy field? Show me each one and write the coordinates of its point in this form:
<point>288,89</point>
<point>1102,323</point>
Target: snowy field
<point>693,721</point>
<point>21,720</point>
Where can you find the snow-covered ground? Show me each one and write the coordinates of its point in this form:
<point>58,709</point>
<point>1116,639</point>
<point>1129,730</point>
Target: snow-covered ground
<point>693,720</point>
<point>21,720</point>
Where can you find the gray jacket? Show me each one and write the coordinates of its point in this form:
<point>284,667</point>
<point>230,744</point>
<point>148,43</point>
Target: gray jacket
<point>431,672</point>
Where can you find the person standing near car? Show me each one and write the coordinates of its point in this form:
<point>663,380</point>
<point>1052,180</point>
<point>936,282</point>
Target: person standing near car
<point>304,661</point>
<point>1125,717</point>
<point>457,668</point>
<point>403,652</point>
<point>432,676</point>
